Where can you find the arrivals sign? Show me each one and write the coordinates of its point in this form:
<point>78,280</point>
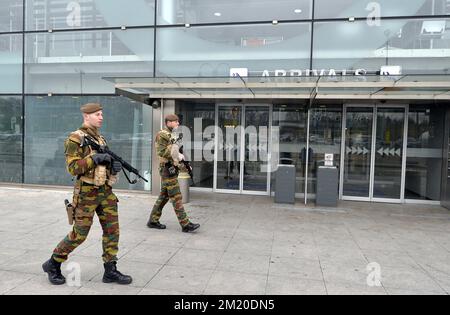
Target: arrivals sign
<point>244,72</point>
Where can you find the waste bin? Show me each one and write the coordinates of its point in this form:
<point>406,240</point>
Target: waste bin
<point>184,181</point>
<point>327,186</point>
<point>285,184</point>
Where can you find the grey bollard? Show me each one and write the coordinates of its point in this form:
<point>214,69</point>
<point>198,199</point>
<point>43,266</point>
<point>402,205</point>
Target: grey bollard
<point>183,180</point>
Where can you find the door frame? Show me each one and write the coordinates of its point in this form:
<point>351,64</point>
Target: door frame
<point>375,108</point>
<point>241,190</point>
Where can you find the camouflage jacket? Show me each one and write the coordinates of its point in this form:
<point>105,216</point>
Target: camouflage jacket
<point>78,159</point>
<point>163,145</point>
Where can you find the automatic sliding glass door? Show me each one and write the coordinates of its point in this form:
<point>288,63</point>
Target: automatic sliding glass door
<point>228,148</point>
<point>256,160</point>
<point>242,142</point>
<point>389,153</point>
<point>357,152</point>
<point>373,161</point>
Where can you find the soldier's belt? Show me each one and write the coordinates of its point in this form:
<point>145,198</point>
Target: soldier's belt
<point>90,181</point>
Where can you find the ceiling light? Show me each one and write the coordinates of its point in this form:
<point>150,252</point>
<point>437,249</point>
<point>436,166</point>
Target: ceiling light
<point>298,11</point>
<point>218,14</point>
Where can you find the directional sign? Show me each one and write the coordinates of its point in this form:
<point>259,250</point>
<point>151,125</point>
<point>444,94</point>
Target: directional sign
<point>390,152</point>
<point>357,151</point>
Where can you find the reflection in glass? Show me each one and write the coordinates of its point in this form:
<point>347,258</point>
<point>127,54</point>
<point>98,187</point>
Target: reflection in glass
<point>362,8</point>
<point>70,14</point>
<point>214,50</point>
<point>292,122</point>
<point>256,148</point>
<point>389,153</point>
<point>325,138</point>
<point>358,148</point>
<point>11,64</point>
<point>198,118</point>
<point>51,119</point>
<point>11,15</point>
<point>417,45</point>
<point>10,139</point>
<point>229,150</point>
<point>223,11</point>
<point>424,155</point>
<point>75,62</point>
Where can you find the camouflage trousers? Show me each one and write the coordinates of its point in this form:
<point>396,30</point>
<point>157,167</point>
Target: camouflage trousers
<point>93,200</point>
<point>170,190</point>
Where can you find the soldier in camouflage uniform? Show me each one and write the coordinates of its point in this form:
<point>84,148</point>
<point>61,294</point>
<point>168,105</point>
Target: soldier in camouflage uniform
<point>92,194</point>
<point>169,158</point>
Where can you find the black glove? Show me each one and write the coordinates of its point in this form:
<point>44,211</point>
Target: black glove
<point>102,159</point>
<point>116,167</point>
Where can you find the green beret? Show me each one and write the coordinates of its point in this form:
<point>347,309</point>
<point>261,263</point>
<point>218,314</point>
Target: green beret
<point>91,108</point>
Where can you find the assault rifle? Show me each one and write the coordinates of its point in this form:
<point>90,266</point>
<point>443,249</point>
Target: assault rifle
<point>88,141</point>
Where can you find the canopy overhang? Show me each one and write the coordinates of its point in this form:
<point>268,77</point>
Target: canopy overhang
<point>406,87</point>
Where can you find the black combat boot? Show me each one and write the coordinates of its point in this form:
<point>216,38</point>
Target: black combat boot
<point>190,227</point>
<point>53,268</point>
<point>156,225</point>
<point>113,275</point>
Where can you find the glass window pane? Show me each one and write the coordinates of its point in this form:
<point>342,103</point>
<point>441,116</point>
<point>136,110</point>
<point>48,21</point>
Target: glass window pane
<point>11,64</point>
<point>76,14</point>
<point>256,147</point>
<point>11,15</point>
<point>213,51</point>
<point>51,119</point>
<point>358,150</point>
<point>75,62</point>
<point>389,153</point>
<point>229,147</point>
<point>292,123</point>
<point>10,139</point>
<point>424,155</point>
<point>417,46</point>
<point>222,11</point>
<point>325,135</point>
<point>197,121</point>
<point>364,8</point>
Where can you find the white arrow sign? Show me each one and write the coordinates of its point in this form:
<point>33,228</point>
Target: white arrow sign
<point>357,150</point>
<point>390,152</point>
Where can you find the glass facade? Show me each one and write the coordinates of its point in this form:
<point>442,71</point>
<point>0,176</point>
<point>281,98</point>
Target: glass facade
<point>358,150</point>
<point>11,132</point>
<point>424,155</point>
<point>291,119</point>
<point>51,119</point>
<point>70,14</point>
<point>329,9</point>
<point>325,133</point>
<point>225,11</point>
<point>56,54</point>
<point>11,15</point>
<point>198,120</point>
<point>76,62</point>
<point>214,50</point>
<point>11,64</point>
<point>418,46</point>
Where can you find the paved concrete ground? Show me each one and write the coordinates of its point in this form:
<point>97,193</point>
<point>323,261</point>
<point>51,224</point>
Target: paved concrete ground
<point>246,245</point>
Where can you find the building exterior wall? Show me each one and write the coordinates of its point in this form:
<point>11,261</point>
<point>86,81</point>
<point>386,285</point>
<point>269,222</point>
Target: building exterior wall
<point>55,55</point>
